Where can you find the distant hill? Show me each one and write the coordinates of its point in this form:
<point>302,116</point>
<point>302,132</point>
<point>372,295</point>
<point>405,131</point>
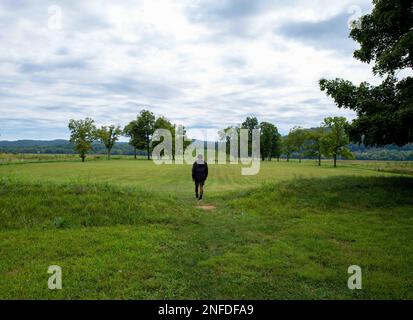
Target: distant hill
<point>34,143</point>
<point>60,146</point>
<point>389,152</point>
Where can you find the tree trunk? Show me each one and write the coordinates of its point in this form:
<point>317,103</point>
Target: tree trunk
<point>83,157</point>
<point>299,158</point>
<point>335,160</point>
<point>278,159</point>
<point>319,160</point>
<point>148,148</point>
<point>108,154</point>
<point>288,158</point>
<point>135,152</point>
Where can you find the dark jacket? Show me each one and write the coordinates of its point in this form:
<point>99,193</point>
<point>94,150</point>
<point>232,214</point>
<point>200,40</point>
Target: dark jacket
<point>199,171</point>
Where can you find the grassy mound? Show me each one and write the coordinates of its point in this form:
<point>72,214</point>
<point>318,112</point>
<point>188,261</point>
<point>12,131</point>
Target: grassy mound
<point>42,205</point>
<point>285,240</point>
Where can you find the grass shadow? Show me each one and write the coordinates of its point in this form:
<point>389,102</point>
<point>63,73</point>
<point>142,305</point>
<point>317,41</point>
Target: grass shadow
<point>331,192</point>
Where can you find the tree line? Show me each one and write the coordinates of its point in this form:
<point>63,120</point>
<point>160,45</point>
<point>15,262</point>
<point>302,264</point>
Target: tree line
<point>330,140</point>
<point>361,152</point>
<point>83,133</point>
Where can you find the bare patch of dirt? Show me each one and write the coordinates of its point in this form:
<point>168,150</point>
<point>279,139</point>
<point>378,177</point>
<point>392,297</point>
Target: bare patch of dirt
<point>206,207</point>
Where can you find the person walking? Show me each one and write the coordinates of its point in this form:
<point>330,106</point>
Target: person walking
<point>199,175</point>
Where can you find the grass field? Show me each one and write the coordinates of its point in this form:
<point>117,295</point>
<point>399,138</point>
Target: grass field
<point>128,229</point>
<point>14,158</point>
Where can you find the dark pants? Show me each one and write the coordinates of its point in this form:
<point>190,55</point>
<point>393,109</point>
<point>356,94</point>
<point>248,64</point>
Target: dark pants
<point>199,188</point>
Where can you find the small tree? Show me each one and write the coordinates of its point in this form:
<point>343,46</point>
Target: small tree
<point>297,138</point>
<point>108,136</point>
<point>314,143</point>
<point>131,131</point>
<point>179,135</point>
<point>335,141</point>
<point>82,134</point>
<point>164,123</point>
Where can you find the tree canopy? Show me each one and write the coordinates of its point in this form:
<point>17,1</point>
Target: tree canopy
<point>314,143</point>
<point>82,134</point>
<point>108,136</point>
<point>145,127</point>
<point>270,141</point>
<point>386,36</point>
<point>131,131</point>
<point>296,139</point>
<point>334,142</point>
<point>164,123</point>
<point>384,112</point>
<point>140,131</point>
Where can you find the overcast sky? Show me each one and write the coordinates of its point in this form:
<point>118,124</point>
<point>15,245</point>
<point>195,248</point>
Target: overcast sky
<point>205,64</point>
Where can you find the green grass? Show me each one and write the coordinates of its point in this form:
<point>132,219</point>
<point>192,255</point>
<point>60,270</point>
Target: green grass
<point>173,179</point>
<point>127,229</point>
<point>15,158</point>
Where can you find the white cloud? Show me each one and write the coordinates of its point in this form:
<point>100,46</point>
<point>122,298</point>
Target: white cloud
<point>206,64</point>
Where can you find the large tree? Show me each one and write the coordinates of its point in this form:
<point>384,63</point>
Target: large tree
<point>384,112</point>
<point>164,123</point>
<point>146,126</point>
<point>334,142</point>
<point>82,134</point>
<point>270,141</point>
<point>250,123</point>
<point>108,136</point>
<point>225,136</point>
<point>277,147</point>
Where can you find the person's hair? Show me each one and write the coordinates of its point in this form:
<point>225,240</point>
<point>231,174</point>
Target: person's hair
<point>200,156</point>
